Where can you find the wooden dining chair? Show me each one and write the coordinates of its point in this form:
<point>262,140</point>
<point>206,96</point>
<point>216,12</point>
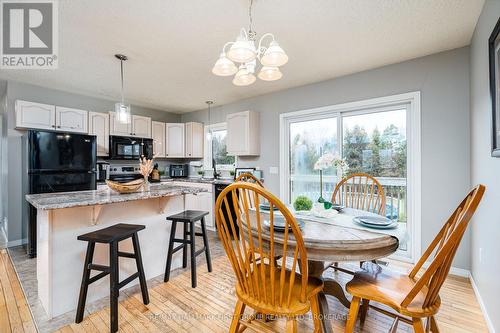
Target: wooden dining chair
<point>360,191</point>
<point>261,284</point>
<point>414,295</point>
<point>248,177</point>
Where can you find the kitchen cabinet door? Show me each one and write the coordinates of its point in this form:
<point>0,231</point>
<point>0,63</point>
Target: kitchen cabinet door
<point>71,120</point>
<point>35,115</point>
<point>158,133</point>
<point>99,126</point>
<point>118,128</point>
<point>141,126</point>
<point>194,140</point>
<point>243,134</point>
<point>175,140</point>
<point>203,201</point>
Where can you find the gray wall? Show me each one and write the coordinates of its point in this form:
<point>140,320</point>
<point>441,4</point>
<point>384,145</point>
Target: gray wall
<point>485,246</point>
<point>15,90</point>
<point>443,80</point>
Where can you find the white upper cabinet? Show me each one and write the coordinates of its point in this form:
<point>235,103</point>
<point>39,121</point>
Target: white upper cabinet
<point>158,133</point>
<point>99,126</point>
<point>141,126</point>
<point>118,128</point>
<point>194,140</point>
<point>73,120</point>
<point>243,133</point>
<point>35,115</point>
<point>174,140</point>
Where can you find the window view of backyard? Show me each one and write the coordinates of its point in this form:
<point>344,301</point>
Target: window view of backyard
<point>372,143</point>
<point>219,148</point>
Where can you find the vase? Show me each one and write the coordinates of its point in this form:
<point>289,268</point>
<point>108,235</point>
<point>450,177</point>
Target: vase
<point>145,186</point>
<point>321,199</point>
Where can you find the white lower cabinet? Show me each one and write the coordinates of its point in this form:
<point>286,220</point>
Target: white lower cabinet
<point>200,201</point>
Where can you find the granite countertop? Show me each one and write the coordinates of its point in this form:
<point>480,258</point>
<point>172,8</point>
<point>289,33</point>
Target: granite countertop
<point>105,196</point>
<point>199,180</point>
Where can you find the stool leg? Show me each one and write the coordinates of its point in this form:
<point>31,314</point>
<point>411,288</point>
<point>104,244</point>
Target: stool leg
<point>193,254</point>
<point>113,286</point>
<point>170,249</point>
<point>205,243</point>
<point>140,269</point>
<point>85,282</point>
<point>185,248</point>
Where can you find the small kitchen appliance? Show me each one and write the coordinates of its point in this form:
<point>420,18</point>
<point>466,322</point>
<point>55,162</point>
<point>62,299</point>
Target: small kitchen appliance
<point>178,170</point>
<point>102,171</point>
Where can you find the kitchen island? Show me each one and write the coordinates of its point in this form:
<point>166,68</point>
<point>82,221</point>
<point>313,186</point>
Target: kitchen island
<point>61,217</point>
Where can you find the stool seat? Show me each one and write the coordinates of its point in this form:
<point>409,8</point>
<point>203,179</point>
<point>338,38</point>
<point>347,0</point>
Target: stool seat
<point>114,233</point>
<point>188,216</point>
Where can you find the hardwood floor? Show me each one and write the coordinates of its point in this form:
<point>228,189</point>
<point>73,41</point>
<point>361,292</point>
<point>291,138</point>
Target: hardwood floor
<point>15,315</point>
<point>176,307</point>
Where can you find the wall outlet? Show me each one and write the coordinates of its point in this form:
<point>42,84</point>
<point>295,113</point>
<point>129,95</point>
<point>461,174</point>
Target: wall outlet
<point>273,170</point>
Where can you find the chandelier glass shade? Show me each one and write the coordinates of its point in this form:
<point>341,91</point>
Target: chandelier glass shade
<point>240,58</point>
<point>122,110</point>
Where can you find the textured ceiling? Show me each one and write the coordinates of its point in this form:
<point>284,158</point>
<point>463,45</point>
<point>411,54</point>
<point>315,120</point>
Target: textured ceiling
<point>172,45</point>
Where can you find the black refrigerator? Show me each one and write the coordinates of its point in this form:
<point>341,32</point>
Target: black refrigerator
<point>58,162</point>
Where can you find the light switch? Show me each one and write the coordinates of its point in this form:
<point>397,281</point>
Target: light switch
<point>273,170</point>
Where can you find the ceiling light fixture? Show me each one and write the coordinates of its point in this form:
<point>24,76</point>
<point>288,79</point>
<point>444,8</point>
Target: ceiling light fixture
<point>209,132</point>
<point>122,110</point>
<point>244,53</point>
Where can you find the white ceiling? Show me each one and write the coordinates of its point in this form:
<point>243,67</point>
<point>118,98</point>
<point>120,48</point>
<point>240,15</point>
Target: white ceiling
<point>172,45</point>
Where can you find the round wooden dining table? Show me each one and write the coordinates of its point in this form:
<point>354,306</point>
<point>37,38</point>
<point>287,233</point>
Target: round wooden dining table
<point>327,242</point>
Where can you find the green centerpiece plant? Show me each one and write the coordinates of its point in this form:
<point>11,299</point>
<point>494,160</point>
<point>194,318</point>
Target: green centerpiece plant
<point>302,203</point>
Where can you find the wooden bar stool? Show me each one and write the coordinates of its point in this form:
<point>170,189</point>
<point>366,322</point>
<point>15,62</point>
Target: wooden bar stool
<point>189,218</point>
<point>112,236</point>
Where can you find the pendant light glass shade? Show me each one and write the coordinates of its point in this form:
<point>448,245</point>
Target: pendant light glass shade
<point>122,113</point>
<point>243,77</point>
<point>274,56</point>
<point>224,66</point>
<point>243,50</point>
<point>268,73</point>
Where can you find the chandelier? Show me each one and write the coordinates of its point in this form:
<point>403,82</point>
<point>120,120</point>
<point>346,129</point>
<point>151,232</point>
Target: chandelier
<point>243,53</point>
<point>122,110</point>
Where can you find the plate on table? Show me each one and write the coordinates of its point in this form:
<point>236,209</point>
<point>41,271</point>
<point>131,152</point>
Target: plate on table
<point>375,222</point>
<point>267,207</point>
<point>337,207</point>
<point>279,224</point>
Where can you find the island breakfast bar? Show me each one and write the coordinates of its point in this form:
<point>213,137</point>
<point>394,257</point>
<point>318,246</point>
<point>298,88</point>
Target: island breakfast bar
<point>61,217</point>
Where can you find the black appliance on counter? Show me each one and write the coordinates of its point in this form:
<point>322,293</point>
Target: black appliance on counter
<point>129,148</point>
<point>102,171</point>
<point>218,188</point>
<point>178,170</point>
<point>58,162</point>
<point>124,172</point>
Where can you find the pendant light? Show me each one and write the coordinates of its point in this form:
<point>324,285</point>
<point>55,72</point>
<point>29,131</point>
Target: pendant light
<point>209,132</point>
<point>122,110</point>
<point>241,58</point>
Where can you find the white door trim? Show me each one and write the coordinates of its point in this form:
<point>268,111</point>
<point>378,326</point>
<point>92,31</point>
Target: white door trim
<point>414,184</point>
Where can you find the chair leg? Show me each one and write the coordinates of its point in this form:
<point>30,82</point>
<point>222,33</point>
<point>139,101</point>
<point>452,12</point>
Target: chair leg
<point>192,237</point>
<point>291,325</point>
<point>418,327</point>
<point>85,283</point>
<point>185,248</point>
<point>434,325</point>
<point>238,313</point>
<point>113,286</point>
<point>365,304</point>
<point>316,313</point>
<point>140,269</point>
<point>394,326</point>
<point>170,250</point>
<point>353,315</point>
<point>205,243</point>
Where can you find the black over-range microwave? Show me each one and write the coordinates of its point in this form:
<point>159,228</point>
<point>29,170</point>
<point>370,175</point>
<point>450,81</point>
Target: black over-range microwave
<point>129,148</point>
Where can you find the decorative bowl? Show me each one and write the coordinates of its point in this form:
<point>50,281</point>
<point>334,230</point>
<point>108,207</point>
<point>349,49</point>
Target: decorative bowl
<point>129,187</point>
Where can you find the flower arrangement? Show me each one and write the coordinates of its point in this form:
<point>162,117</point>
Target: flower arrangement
<point>326,161</point>
<point>145,168</point>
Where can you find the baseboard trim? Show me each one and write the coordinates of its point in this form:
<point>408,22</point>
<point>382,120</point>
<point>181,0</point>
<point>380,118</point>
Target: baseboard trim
<point>453,270</point>
<point>481,305</point>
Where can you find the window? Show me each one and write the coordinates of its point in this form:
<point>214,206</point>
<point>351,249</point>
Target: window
<point>373,137</point>
<point>216,149</point>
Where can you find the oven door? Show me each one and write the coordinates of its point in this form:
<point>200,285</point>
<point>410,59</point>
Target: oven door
<point>127,148</point>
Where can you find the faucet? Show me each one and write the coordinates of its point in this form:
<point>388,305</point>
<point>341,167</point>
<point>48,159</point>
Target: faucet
<point>216,174</point>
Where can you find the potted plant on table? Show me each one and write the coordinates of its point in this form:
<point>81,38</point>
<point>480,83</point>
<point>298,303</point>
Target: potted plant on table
<point>326,161</point>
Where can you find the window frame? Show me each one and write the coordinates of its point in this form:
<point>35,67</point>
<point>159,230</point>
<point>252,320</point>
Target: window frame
<point>411,101</point>
<point>207,154</point>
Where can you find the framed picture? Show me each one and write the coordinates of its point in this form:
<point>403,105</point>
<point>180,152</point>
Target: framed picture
<point>494,55</point>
